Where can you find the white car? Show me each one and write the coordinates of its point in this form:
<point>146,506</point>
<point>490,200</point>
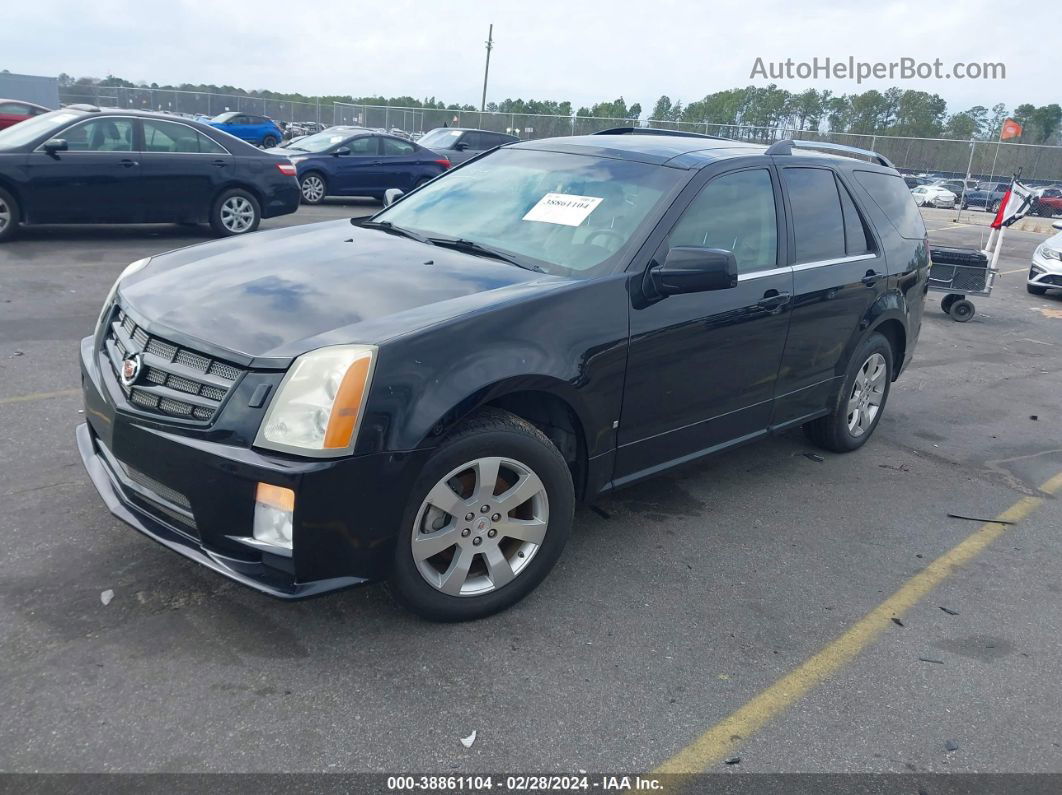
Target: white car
<point>933,196</point>
<point>1046,271</point>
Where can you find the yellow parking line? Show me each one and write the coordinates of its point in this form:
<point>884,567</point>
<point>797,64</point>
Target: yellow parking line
<point>1016,270</point>
<point>39,396</point>
<point>721,739</point>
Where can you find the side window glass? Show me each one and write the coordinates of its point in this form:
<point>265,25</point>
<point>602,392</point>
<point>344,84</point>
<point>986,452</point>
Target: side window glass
<point>100,135</point>
<point>165,136</point>
<point>365,145</point>
<point>734,212</point>
<point>856,239</point>
<point>818,224</point>
<point>392,146</point>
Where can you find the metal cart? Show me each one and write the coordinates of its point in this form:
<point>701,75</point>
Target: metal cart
<point>960,272</point>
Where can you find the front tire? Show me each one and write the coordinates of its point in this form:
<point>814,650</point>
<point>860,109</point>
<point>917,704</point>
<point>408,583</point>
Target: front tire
<point>487,519</point>
<point>860,402</point>
<point>10,215</point>
<point>313,188</point>
<point>1034,290</point>
<point>235,212</point>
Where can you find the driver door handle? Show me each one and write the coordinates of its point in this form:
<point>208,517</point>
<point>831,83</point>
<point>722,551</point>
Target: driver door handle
<point>128,163</point>
<point>871,278</point>
<point>773,299</point>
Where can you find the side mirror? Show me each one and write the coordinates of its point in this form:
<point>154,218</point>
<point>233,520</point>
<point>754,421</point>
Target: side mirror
<point>53,145</point>
<point>692,269</point>
<point>391,195</point>
<point>343,150</point>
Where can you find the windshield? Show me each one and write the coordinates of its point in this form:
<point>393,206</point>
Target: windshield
<point>319,141</point>
<point>27,131</point>
<point>225,116</point>
<point>442,138</point>
<point>566,214</point>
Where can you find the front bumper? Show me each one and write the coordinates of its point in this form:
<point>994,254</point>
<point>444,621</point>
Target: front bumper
<point>193,490</point>
<point>1045,271</point>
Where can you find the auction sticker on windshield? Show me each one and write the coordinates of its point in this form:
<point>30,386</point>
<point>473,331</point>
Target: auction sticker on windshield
<point>562,208</point>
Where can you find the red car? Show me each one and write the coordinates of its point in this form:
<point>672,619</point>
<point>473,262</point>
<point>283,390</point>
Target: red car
<point>12,111</point>
<point>1049,203</point>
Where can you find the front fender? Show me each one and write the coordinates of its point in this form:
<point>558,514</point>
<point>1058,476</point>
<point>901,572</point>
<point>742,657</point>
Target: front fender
<point>570,343</point>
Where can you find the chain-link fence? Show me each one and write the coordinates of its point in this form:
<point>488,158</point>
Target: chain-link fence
<point>981,159</point>
<point>193,103</point>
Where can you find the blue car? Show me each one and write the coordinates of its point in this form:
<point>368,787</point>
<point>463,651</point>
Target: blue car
<point>257,130</point>
<point>351,161</point>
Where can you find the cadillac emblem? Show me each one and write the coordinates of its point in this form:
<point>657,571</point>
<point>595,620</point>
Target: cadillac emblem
<point>131,369</point>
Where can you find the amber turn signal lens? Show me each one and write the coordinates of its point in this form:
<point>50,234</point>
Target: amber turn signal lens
<point>276,497</point>
<point>344,416</point>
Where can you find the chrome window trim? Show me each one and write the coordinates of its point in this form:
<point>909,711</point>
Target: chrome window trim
<point>744,277</point>
<point>822,263</point>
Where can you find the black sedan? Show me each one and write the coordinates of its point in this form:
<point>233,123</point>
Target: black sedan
<point>86,165</point>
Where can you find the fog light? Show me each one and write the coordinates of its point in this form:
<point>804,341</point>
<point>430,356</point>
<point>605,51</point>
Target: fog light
<point>273,509</point>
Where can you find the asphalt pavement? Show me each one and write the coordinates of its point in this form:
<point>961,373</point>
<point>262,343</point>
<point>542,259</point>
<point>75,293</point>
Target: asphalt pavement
<point>677,602</point>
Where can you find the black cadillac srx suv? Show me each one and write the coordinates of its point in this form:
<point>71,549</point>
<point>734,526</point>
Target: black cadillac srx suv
<point>425,396</point>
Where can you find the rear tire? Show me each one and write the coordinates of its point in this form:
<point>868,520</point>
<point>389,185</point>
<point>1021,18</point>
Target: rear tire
<point>269,142</point>
<point>860,401</point>
<point>1032,288</point>
<point>10,215</point>
<point>493,560</point>
<point>313,188</point>
<point>235,212</point>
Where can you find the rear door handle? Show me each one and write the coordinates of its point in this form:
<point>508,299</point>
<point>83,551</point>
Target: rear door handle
<point>220,163</point>
<point>871,278</point>
<point>128,163</point>
<point>772,299</point>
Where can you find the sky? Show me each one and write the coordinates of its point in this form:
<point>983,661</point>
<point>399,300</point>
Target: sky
<point>581,50</point>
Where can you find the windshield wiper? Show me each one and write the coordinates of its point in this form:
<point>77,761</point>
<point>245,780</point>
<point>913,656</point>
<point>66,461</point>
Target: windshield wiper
<point>472,247</point>
<point>387,226</point>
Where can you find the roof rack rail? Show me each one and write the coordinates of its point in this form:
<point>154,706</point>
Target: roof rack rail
<point>786,146</point>
<point>656,131</point>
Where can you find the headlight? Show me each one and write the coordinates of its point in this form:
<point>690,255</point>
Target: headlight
<point>318,406</point>
<point>130,269</point>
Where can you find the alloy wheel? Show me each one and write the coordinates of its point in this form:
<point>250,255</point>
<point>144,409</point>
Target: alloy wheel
<point>480,526</point>
<point>868,392</point>
<point>313,189</point>
<point>5,215</point>
<point>237,214</point>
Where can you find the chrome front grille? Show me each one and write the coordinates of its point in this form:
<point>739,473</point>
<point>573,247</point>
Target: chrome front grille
<point>173,381</point>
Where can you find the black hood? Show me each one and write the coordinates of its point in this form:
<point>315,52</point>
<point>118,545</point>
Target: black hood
<point>280,293</point>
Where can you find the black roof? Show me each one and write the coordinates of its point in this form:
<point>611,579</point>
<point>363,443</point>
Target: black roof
<point>679,151</point>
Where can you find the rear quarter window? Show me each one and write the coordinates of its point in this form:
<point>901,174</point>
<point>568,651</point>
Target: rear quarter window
<point>893,197</point>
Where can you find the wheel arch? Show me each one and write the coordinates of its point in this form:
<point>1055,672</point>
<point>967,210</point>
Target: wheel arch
<point>893,330</point>
<point>546,402</point>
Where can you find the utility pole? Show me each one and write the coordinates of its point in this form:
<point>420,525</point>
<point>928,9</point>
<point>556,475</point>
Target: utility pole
<point>486,69</point>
